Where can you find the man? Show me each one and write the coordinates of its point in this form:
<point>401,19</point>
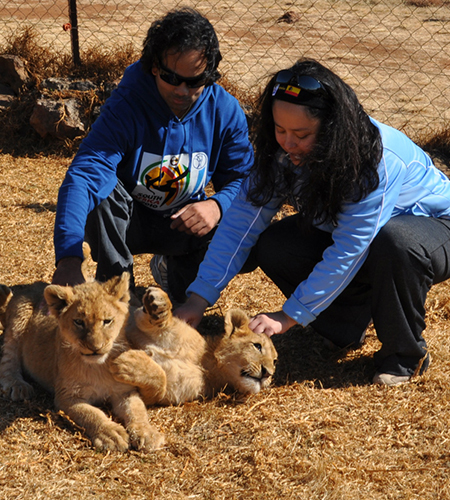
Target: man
<point>137,183</point>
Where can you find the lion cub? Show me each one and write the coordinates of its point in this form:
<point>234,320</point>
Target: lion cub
<point>194,366</point>
<point>66,344</point>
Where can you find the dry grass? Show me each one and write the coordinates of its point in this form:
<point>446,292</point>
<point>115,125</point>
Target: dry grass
<point>322,431</point>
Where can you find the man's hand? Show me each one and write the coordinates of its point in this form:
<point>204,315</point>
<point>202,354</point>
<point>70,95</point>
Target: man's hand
<point>68,272</point>
<point>271,323</point>
<point>197,218</point>
<point>192,310</point>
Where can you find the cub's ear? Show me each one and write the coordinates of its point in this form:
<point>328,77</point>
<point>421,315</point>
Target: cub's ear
<point>236,320</point>
<point>118,287</point>
<point>57,298</point>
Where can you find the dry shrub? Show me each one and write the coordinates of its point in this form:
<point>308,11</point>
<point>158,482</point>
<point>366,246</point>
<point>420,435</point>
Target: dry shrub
<point>100,65</point>
<point>246,98</point>
<point>97,64</point>
<point>437,142</point>
<point>41,62</point>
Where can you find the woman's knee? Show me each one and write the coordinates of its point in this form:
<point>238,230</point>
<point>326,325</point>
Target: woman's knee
<point>395,240</point>
<point>397,249</point>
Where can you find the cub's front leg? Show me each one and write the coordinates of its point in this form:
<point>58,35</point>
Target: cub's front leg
<point>136,368</point>
<point>132,411</point>
<point>105,434</point>
<point>11,376</point>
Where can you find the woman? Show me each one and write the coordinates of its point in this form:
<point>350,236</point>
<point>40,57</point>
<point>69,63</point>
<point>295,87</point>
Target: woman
<point>372,232</point>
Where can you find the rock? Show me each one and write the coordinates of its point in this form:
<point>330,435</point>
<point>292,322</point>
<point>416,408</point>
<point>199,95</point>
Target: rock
<point>14,73</point>
<point>67,84</point>
<point>55,84</point>
<point>289,17</point>
<point>82,85</point>
<point>7,96</point>
<point>57,119</point>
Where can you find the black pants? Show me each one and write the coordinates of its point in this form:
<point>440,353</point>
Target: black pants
<point>407,257</point>
<point>121,227</point>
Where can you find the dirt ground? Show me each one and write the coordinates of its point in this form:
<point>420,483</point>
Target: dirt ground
<point>322,431</point>
<point>395,53</point>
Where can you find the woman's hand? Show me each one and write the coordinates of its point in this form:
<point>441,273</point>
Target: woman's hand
<point>271,323</point>
<point>192,310</point>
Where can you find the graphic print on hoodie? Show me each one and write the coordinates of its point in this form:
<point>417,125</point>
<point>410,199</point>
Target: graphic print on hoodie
<point>168,182</point>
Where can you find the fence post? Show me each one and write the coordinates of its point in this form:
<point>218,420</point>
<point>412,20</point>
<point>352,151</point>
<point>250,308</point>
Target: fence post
<point>74,32</point>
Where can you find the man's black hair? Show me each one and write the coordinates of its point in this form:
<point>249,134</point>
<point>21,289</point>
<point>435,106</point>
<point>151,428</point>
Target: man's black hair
<point>180,31</point>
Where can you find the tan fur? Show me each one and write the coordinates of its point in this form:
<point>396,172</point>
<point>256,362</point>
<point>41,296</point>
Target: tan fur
<point>194,366</point>
<point>66,344</point>
<point>5,297</point>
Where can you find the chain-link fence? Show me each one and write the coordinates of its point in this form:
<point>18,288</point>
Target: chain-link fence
<point>395,53</point>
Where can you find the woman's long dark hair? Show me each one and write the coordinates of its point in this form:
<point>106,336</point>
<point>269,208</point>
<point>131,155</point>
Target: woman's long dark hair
<point>343,163</point>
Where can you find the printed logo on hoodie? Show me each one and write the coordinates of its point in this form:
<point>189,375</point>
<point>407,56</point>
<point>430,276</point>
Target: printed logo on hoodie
<point>168,182</point>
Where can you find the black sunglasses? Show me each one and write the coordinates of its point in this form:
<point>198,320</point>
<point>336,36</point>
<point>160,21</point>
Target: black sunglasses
<point>174,79</point>
<point>299,89</point>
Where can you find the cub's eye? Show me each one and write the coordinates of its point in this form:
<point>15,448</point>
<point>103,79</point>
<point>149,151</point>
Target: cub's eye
<point>258,346</point>
<point>107,322</point>
<point>78,322</point>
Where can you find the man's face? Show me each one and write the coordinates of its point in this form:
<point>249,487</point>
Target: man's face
<point>180,97</point>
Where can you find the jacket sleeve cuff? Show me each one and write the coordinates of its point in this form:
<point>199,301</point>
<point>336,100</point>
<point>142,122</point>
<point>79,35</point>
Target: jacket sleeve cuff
<point>73,250</point>
<point>223,201</point>
<point>298,312</point>
<point>205,290</point>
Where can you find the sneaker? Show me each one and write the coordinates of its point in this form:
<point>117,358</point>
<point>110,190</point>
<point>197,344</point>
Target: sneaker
<point>390,380</point>
<point>158,266</point>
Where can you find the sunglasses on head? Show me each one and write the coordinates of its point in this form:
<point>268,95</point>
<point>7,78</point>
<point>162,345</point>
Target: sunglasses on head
<point>174,79</point>
<point>300,89</point>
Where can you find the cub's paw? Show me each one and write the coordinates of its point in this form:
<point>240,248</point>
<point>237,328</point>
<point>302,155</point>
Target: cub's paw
<point>136,368</point>
<point>133,367</point>
<point>111,437</point>
<point>18,390</point>
<point>157,305</point>
<point>146,438</point>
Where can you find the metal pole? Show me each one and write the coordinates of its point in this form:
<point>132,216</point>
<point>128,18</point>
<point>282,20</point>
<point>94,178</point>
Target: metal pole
<point>74,32</point>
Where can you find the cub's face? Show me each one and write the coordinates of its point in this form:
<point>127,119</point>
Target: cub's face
<point>90,316</point>
<point>246,359</point>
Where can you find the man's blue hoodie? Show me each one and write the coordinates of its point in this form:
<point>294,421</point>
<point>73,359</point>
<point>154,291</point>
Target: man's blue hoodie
<point>163,162</point>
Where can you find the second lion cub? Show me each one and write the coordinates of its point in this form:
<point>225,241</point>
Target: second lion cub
<point>194,366</point>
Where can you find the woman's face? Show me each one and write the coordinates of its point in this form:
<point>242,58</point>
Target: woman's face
<point>295,130</point>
